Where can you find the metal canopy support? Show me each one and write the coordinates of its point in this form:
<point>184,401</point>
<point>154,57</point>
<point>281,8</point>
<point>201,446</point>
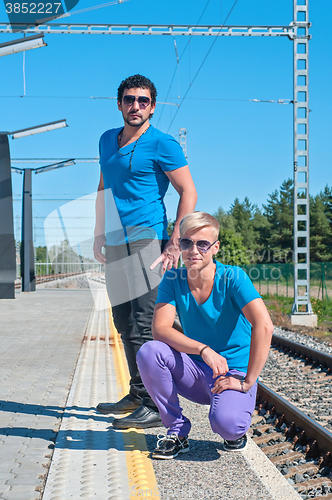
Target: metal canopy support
<point>137,29</point>
<point>7,242</point>
<point>301,303</point>
<point>27,253</point>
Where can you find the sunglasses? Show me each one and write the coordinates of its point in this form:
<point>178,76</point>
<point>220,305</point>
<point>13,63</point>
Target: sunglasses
<point>202,245</point>
<point>143,101</point>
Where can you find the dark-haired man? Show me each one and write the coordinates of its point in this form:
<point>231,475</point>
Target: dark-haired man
<point>137,164</point>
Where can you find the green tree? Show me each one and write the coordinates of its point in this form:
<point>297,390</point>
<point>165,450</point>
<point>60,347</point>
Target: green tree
<point>243,214</point>
<point>225,219</point>
<point>232,250</point>
<point>262,227</point>
<point>277,236</point>
<point>170,226</point>
<point>41,253</point>
<point>326,197</point>
<point>327,200</point>
<point>320,231</point>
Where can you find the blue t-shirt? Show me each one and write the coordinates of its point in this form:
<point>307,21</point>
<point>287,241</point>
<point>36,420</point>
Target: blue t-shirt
<point>218,322</point>
<point>134,197</point>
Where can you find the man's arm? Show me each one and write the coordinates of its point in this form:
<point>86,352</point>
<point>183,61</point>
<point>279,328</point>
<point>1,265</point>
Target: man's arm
<point>100,239</point>
<point>261,335</point>
<point>182,182</point>
<point>162,330</point>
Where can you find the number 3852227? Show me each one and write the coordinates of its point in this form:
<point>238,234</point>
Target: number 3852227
<point>32,8</point>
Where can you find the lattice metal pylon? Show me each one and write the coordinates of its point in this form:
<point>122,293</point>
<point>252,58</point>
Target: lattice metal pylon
<point>183,140</point>
<point>301,23</point>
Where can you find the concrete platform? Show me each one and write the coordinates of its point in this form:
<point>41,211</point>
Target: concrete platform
<point>40,341</point>
<point>53,444</point>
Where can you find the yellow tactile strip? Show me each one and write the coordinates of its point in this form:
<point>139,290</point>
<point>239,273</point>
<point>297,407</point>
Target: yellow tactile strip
<point>141,477</point>
<point>89,460</point>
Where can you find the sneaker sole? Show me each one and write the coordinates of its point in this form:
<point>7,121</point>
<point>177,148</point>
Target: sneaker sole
<point>231,450</point>
<point>165,457</point>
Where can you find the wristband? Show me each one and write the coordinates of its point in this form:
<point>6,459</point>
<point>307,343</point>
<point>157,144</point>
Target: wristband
<point>203,348</point>
<point>241,382</point>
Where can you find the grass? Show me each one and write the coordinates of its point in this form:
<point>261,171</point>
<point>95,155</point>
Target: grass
<point>279,303</point>
<point>323,308</point>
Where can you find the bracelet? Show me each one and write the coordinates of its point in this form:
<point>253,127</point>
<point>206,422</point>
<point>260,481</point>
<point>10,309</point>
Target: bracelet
<point>205,347</point>
<point>241,381</point>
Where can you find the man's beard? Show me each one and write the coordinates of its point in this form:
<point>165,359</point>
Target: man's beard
<point>127,120</point>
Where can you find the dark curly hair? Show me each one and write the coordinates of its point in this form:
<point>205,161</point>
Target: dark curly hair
<point>138,82</point>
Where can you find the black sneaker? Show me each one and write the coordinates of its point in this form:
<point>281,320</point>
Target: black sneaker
<point>170,446</point>
<point>237,445</point>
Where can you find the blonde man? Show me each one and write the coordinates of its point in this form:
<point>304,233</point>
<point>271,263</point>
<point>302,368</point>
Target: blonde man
<point>218,358</point>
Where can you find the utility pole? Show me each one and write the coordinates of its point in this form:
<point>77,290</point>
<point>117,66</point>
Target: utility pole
<point>27,250</point>
<point>183,141</point>
<point>302,310</point>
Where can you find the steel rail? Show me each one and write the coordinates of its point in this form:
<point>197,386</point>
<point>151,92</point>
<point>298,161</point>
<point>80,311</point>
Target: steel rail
<point>308,352</point>
<point>312,429</point>
<point>52,277</point>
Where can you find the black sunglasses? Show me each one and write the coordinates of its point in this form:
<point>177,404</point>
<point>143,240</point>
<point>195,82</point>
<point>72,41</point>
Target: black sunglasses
<point>202,245</point>
<point>143,101</point>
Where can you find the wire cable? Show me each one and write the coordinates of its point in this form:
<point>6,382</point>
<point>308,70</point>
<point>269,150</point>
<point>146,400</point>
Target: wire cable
<point>278,101</point>
<point>176,67</point>
<point>67,14</point>
<point>200,67</point>
<point>71,97</point>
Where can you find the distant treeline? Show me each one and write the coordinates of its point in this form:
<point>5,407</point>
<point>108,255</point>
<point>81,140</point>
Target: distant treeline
<point>251,235</point>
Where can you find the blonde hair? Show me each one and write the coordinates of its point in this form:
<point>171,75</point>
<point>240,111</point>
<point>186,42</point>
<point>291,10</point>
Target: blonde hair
<point>197,220</point>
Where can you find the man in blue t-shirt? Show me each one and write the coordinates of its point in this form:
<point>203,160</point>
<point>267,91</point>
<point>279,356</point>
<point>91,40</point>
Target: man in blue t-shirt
<point>224,345</point>
<point>137,164</point>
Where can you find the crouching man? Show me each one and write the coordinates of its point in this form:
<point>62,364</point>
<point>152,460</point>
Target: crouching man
<point>218,358</point>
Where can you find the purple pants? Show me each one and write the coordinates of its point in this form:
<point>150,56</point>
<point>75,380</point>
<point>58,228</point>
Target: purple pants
<point>167,373</point>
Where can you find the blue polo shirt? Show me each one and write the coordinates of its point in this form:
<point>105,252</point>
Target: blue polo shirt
<point>219,322</point>
<point>134,197</point>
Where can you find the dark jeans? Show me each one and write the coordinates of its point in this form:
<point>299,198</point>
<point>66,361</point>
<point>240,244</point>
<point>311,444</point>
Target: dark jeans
<point>132,289</point>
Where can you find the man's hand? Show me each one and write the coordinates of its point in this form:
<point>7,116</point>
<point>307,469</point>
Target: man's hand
<point>169,257</point>
<point>215,361</point>
<point>97,248</point>
<point>232,382</point>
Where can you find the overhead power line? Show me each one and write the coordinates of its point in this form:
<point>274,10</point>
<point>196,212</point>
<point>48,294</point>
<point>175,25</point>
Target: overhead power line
<point>70,97</point>
<point>178,61</point>
<point>199,69</point>
<point>88,9</point>
<point>277,101</point>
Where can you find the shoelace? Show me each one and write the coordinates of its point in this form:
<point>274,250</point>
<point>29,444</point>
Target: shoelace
<point>166,437</point>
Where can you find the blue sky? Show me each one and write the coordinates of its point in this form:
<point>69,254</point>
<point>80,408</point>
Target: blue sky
<point>235,147</point>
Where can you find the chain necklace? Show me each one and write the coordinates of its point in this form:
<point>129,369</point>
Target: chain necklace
<point>132,151</point>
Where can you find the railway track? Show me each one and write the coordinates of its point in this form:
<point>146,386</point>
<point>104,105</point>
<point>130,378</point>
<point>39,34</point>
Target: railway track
<point>51,277</point>
<point>285,425</point>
